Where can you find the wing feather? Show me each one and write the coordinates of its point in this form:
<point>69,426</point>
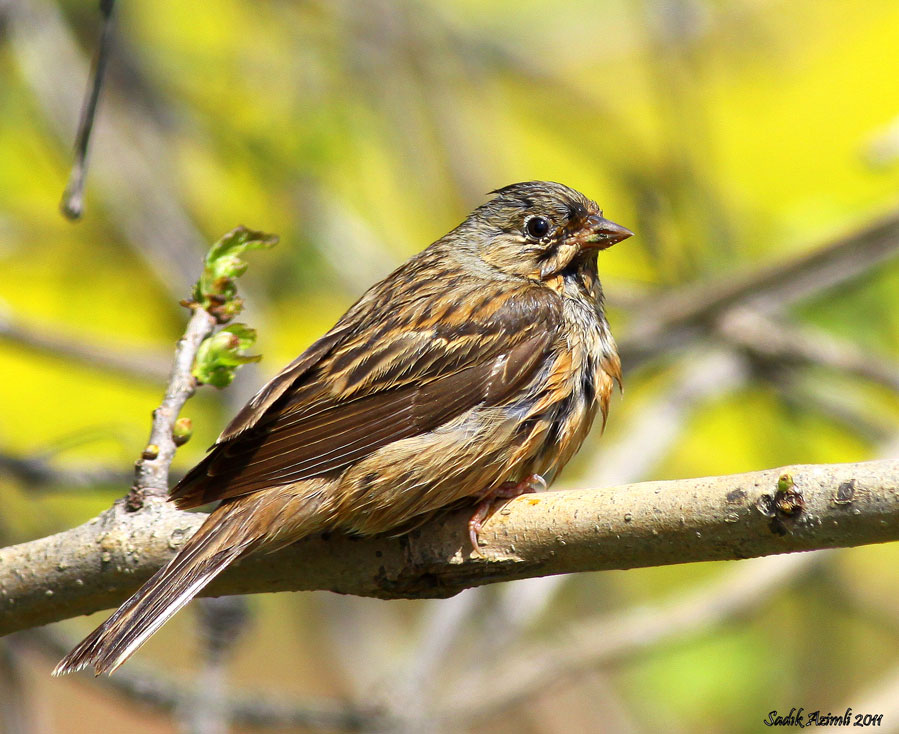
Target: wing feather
<point>300,429</point>
<point>255,409</point>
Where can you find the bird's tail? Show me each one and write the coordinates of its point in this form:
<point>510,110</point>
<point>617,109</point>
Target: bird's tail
<point>208,552</point>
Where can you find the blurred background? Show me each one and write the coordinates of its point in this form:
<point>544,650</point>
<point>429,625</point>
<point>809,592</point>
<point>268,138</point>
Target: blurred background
<point>753,145</point>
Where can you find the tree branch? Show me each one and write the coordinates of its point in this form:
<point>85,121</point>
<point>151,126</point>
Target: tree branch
<point>530,668</point>
<point>132,175</point>
<point>780,342</point>
<point>72,204</point>
<point>663,321</point>
<point>38,472</point>
<point>131,363</point>
<point>96,565</point>
<point>15,703</point>
<point>254,709</point>
<point>151,473</point>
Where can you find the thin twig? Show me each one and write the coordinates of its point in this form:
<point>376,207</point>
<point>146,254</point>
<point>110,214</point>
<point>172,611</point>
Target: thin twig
<point>131,176</point>
<point>151,472</point>
<point>72,204</point>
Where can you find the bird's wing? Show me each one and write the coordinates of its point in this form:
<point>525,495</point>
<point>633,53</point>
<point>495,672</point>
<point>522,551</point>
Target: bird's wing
<point>256,408</point>
<point>373,386</point>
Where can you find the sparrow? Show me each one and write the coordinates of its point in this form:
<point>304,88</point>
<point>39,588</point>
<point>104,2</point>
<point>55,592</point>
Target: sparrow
<point>471,373</point>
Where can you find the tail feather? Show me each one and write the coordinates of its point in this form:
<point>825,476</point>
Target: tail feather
<point>204,556</point>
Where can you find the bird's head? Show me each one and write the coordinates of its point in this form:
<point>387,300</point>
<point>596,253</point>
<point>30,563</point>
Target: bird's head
<point>539,229</point>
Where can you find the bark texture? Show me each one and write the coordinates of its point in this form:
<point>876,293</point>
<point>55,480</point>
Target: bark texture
<point>98,564</point>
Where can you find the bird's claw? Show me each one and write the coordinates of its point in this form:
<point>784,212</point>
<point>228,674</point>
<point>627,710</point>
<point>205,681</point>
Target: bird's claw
<point>505,491</point>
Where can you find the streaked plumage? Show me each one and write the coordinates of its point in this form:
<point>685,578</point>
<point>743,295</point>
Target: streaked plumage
<point>481,360</point>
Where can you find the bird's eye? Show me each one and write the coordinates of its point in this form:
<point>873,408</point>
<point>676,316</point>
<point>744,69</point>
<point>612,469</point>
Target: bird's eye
<point>537,227</point>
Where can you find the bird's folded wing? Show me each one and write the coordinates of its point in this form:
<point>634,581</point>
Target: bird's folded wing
<point>355,396</point>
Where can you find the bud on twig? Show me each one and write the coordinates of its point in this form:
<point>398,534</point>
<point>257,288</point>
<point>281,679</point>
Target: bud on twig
<point>182,431</point>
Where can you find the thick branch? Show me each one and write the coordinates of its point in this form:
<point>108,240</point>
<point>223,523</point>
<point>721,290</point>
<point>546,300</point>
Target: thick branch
<point>96,565</point>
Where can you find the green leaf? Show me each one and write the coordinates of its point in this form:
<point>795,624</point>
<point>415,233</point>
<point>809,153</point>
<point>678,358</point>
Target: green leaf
<point>216,290</point>
<point>221,354</point>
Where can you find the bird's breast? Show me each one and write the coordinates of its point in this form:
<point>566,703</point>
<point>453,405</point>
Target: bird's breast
<point>576,382</point>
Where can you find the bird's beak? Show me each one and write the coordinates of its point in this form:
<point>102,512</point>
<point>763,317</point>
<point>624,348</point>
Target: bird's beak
<point>601,233</point>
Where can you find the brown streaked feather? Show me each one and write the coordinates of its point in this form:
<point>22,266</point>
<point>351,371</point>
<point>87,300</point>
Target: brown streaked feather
<point>278,385</point>
<point>341,436</point>
<point>313,432</point>
<point>206,554</point>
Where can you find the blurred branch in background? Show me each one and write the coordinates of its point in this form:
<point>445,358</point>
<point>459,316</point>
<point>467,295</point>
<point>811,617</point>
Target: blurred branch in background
<point>72,204</point>
<point>220,622</point>
<point>15,701</point>
<point>131,363</point>
<point>880,699</point>
<point>165,694</point>
<point>129,165</point>
<point>672,320</point>
<point>883,148</point>
<point>874,611</point>
<point>774,341</point>
<point>412,696</point>
<point>508,679</point>
<point>37,472</point>
<point>804,393</point>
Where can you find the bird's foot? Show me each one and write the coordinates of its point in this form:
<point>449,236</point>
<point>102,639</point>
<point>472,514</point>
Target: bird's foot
<point>505,491</point>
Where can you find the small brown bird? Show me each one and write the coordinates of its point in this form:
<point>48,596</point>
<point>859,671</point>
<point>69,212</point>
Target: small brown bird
<point>473,371</point>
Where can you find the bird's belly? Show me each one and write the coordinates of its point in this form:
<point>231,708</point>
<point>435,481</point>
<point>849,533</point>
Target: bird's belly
<point>411,478</point>
<point>554,436</point>
<point>535,432</point>
<point>416,476</point>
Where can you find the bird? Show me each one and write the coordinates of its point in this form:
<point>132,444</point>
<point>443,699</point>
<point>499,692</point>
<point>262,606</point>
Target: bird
<point>472,373</point>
